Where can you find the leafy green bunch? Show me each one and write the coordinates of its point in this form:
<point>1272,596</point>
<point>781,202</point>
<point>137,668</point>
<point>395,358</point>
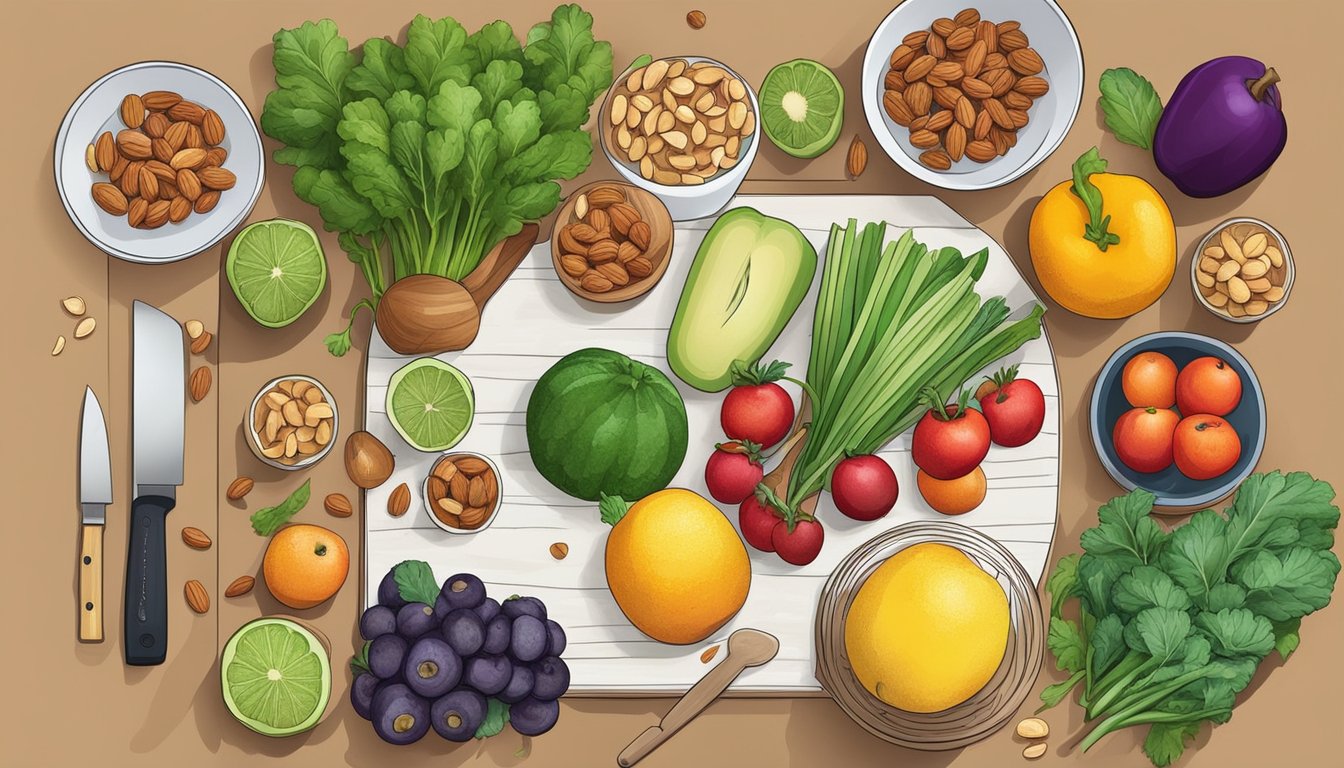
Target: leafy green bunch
<point>425,156</point>
<point>1172,626</point>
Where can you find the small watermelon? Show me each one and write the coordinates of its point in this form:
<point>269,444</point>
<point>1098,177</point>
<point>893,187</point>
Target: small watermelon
<point>599,422</point>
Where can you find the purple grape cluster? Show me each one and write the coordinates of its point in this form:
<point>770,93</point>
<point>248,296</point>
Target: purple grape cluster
<point>458,663</point>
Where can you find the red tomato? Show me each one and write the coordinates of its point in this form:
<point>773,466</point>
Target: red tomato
<point>1149,380</point>
<point>1015,409</point>
<point>757,522</point>
<point>864,487</point>
<point>756,408</point>
<point>950,442</point>
<point>1143,438</point>
<point>1205,446</point>
<point>1208,385</point>
<point>733,470</point>
<point>799,546</point>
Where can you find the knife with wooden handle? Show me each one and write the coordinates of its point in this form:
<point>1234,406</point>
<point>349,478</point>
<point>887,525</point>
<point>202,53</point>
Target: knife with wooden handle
<point>95,493</point>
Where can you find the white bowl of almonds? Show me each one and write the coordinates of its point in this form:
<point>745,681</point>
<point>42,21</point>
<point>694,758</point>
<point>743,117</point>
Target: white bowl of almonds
<point>1242,271</point>
<point>292,422</point>
<point>684,128</point>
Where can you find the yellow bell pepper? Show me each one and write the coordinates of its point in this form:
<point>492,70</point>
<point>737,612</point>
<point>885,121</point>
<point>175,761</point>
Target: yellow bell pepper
<point>1103,244</point>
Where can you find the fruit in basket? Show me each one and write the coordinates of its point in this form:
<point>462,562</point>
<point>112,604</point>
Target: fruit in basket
<point>276,677</point>
<point>956,496</point>
<point>748,277</point>
<point>305,565</point>
<point>927,629</point>
<point>949,440</point>
<point>277,270</point>
<point>599,422</point>
<point>1149,380</point>
<point>757,408</point>
<point>1013,407</point>
<point>431,404</point>
<point>1208,385</point>
<point>1103,244</point>
<point>802,107</point>
<point>1143,438</point>
<point>674,564</point>
<point>864,487</point>
<point>1205,446</point>
<point>733,470</point>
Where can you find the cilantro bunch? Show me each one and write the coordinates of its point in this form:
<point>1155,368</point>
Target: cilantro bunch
<point>425,156</point>
<point>1172,626</point>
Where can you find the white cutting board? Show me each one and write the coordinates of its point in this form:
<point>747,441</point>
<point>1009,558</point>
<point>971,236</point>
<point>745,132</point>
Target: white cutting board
<point>534,320</point>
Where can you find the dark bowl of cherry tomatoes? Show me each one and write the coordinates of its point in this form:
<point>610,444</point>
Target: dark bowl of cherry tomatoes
<point>1179,415</point>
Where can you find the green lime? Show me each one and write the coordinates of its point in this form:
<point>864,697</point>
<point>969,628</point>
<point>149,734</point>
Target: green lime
<point>276,677</point>
<point>277,270</point>
<point>802,107</point>
<point>430,403</point>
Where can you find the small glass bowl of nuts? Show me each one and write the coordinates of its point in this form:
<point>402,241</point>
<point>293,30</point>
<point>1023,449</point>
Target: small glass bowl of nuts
<point>462,492</point>
<point>292,422</point>
<point>1242,271</point>
<point>612,242</point>
<point>684,128</point>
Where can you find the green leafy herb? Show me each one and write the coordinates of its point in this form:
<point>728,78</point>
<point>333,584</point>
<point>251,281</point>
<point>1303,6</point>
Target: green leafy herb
<point>425,156</point>
<point>415,582</point>
<point>267,521</point>
<point>1131,106</point>
<point>359,663</point>
<point>496,717</point>
<point>1171,626</point>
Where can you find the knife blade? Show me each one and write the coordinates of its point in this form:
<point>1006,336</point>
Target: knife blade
<point>95,493</point>
<point>158,412</point>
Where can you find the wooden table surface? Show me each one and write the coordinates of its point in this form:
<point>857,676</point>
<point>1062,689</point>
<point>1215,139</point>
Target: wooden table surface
<point>69,703</point>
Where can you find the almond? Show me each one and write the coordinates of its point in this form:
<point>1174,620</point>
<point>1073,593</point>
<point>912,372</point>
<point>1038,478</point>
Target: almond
<point>627,251</point>
<point>85,327</point>
<point>708,654</point>
<point>894,81</point>
<point>559,550</point>
<point>976,88</point>
<point>239,586</point>
<point>194,138</point>
<point>960,39</point>
<point>919,96</point>
<point>119,165</point>
<point>1012,39</point>
<point>197,597</point>
<point>105,151</point>
<point>135,212</point>
<point>130,179</point>
<point>187,158</point>
<point>938,122</point>
<point>91,159</point>
<point>187,110</point>
<point>1032,86</point>
<point>240,487</point>
<point>1016,100</point>
<point>399,501</point>
<point>202,342</point>
<point>195,538</point>
<point>594,283</point>
<point>696,19</point>
<point>896,107</point>
<point>936,159</point>
<point>160,100</point>
<point>212,127</point>
<point>206,202</point>
<point>1025,61</point>
<point>176,135</point>
<point>188,184</point>
<point>598,220</point>
<point>640,234</point>
<point>998,113</point>
<point>613,272</point>
<point>161,170</point>
<point>216,156</point>
<point>857,159</point>
<point>132,111</point>
<point>603,251</point>
<point>574,266</point>
<point>134,144</point>
<point>199,383</point>
<point>919,68</point>
<point>981,151</point>
<point>155,125</point>
<point>622,216</point>
<point>639,267</point>
<point>604,196</point>
<point>337,505</point>
<point>109,198</point>
<point>988,33</point>
<point>568,243</point>
<point>149,184</point>
<point>943,26</point>
<point>156,215</point>
<point>916,39</point>
<point>901,57</point>
<point>982,125</point>
<point>162,150</point>
<point>955,141</point>
<point>216,178</point>
<point>975,58</point>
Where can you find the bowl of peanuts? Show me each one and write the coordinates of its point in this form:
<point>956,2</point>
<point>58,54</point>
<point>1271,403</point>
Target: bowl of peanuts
<point>1242,271</point>
<point>158,161</point>
<point>684,128</point>
<point>969,98</point>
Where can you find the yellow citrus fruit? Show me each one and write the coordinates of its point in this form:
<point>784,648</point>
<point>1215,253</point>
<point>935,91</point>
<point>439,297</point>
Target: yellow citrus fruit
<point>305,565</point>
<point>677,567</point>
<point>927,629</point>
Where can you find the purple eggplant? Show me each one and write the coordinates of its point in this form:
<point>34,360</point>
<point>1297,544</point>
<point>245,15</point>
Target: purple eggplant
<point>1223,127</point>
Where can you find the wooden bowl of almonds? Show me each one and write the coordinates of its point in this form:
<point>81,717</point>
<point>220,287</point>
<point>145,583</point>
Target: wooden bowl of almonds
<point>1242,271</point>
<point>611,242</point>
<point>462,492</point>
<point>291,423</point>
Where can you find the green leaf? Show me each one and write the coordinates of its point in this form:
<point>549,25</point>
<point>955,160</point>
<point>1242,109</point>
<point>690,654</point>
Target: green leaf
<point>642,60</point>
<point>1125,530</point>
<point>1286,637</point>
<point>269,520</point>
<point>1276,511</point>
<point>1067,644</point>
<point>1291,585</point>
<point>498,83</point>
<point>1158,632</point>
<point>564,51</point>
<point>311,64</point>
<point>1224,596</point>
<point>415,582</point>
<point>341,207</point>
<point>1131,106</point>
<point>1107,639</point>
<point>436,53</point>
<point>1166,741</point>
<point>365,122</point>
<point>455,107</point>
<point>406,107</point>
<point>338,343</point>
<point>381,73</point>
<point>1198,554</point>
<point>612,509</point>
<point>493,42</point>
<point>1053,694</point>
<point>554,156</point>
<point>1147,586</point>
<point>496,716</point>
<point>519,127</point>
<point>1237,633</point>
<point>359,663</point>
<point>444,149</point>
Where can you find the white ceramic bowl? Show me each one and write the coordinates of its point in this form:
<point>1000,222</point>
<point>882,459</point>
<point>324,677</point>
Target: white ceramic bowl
<point>1051,35</point>
<point>254,441</point>
<point>1289,275</point>
<point>494,510</point>
<point>96,110</point>
<point>694,201</point>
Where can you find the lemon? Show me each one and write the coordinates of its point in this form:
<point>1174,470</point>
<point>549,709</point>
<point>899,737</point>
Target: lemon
<point>927,629</point>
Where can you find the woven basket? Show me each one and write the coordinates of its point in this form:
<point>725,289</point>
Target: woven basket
<point>977,717</point>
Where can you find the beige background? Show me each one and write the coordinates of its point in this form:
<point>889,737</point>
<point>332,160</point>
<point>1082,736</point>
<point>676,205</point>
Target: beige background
<point>65,703</point>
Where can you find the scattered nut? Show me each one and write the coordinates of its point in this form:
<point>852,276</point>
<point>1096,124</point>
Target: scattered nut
<point>337,505</point>
<point>1034,751</point>
<point>559,550</point>
<point>239,586</point>
<point>857,160</point>
<point>85,327</point>
<point>195,538</point>
<point>197,597</point>
<point>1033,728</point>
<point>194,328</point>
<point>696,19</point>
<point>202,342</point>
<point>709,654</point>
<point>199,384</point>
<point>74,305</point>
<point>399,501</point>
<point>240,487</point>
<point>58,346</point>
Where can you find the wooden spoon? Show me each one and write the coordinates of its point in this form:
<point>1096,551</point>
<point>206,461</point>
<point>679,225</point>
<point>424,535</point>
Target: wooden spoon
<point>746,648</point>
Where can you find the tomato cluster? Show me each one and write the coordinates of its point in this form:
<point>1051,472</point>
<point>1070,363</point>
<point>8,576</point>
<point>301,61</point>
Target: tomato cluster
<point>1198,440</point>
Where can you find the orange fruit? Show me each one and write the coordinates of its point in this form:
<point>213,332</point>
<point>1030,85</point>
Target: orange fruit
<point>956,496</point>
<point>1149,380</point>
<point>305,565</point>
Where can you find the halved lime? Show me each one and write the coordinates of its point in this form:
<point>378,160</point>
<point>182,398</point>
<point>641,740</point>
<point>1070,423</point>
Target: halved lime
<point>276,677</point>
<point>277,270</point>
<point>431,404</point>
<point>802,107</point>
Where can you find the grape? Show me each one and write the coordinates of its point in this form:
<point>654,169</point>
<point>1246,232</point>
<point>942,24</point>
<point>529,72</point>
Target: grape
<point>524,606</point>
<point>377,620</point>
<point>431,668</point>
<point>519,687</point>
<point>497,634</point>
<point>389,593</point>
<point>550,678</point>
<point>487,610</point>
<point>533,717</point>
<point>414,620</point>
<point>399,716</point>
<point>464,631</point>
<point>557,637</point>
<point>386,653</point>
<point>463,590</point>
<point>361,694</point>
<point>488,674</point>
<point>529,638</point>
<point>457,715</point>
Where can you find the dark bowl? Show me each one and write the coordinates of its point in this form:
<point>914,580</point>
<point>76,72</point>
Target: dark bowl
<point>1175,492</point>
